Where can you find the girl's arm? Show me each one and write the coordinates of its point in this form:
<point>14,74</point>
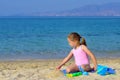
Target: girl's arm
<point>91,55</point>
<point>65,60</point>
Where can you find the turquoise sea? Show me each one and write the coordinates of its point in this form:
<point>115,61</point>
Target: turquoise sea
<point>46,37</point>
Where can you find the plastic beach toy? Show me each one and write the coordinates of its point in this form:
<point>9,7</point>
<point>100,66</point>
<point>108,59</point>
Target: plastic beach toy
<point>74,74</point>
<point>104,70</point>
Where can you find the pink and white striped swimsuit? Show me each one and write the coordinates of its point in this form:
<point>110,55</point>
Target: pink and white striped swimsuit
<point>80,56</point>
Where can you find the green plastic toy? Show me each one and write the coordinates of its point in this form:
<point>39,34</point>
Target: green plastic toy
<point>74,74</point>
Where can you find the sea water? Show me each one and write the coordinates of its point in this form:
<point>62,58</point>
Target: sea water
<point>46,37</point>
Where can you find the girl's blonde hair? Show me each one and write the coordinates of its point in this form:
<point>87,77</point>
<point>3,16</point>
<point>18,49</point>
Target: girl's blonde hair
<point>76,37</point>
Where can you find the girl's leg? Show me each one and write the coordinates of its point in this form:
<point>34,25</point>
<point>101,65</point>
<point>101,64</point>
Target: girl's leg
<point>72,68</point>
<point>86,67</point>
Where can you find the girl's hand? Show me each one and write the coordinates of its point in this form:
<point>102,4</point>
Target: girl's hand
<point>95,68</point>
<point>65,60</point>
<point>58,67</point>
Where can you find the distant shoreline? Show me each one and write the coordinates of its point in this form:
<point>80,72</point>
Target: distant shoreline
<point>59,16</point>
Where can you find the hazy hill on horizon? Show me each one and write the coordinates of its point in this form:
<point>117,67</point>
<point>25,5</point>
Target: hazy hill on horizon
<point>108,9</point>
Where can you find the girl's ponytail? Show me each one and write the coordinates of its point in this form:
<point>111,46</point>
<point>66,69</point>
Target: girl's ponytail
<point>83,41</point>
<point>75,36</point>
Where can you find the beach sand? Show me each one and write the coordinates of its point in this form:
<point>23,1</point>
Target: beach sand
<point>45,70</point>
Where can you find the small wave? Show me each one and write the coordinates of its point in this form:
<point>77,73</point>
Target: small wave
<point>89,34</point>
<point>117,33</point>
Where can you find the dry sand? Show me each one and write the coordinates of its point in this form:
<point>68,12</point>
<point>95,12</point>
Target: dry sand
<point>45,70</point>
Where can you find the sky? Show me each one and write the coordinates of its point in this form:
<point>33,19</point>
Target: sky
<point>16,7</point>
